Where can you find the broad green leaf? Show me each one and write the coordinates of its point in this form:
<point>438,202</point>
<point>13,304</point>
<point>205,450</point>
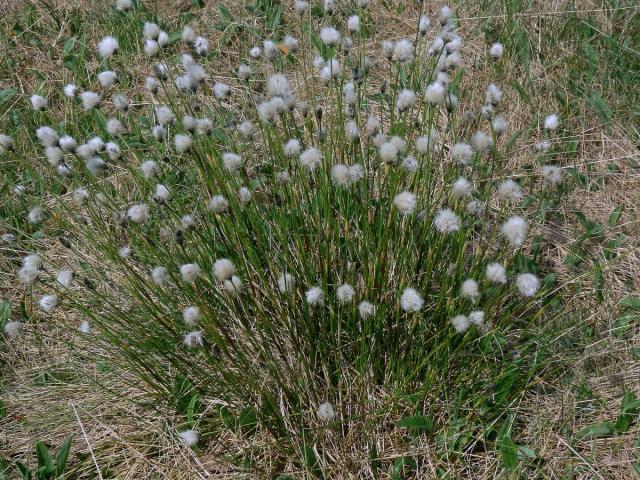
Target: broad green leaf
<point>630,302</point>
<point>44,458</point>
<point>509,452</point>
<point>402,467</point>
<point>416,422</point>
<point>62,455</point>
<point>7,94</point>
<point>635,353</point>
<point>614,218</point>
<point>525,453</point>
<point>596,430</point>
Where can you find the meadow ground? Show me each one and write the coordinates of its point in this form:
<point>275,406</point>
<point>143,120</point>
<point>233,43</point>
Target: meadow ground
<point>580,59</point>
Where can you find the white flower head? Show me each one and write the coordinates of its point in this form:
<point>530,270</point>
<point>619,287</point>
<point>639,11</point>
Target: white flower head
<point>353,23</point>
<point>499,125</point>
<point>515,229</point>
<point>345,293</point>
<point>124,5</point>
<point>231,161</point>
<point>423,24</point>
<point>233,285</point>
<point>469,289</point>
<point>366,309</point>
<point>187,35</point>
<point>435,93</point>
<point>493,95</point>
<point>552,175</point>
<point>446,221</point>
<point>292,147</point>
<point>70,90</point>
<point>460,323</point>
<point>47,136</point>
<point>406,99</point>
<point>48,302</point>
<point>191,315</point>
<point>403,51</point>
<point>221,90</point>
<point>12,329</point>
<point>107,46</point>
<point>405,202</point>
<point>311,158</point>
<point>315,296</point>
<point>477,318</point>
<point>497,50</point>
<point>149,168</point>
<point>90,100</point>
<point>496,273</point>
<point>159,275</point>
<point>218,204</point>
<point>389,152</point>
<point>509,190</point>
<point>189,437</point>
<point>183,142</point>
<point>193,339</point>
<point>462,153</point>
<point>189,272</point>
<point>286,283</point>
<point>340,175</point>
<point>36,215</point>
<point>329,36</point>
<point>138,213</point>
<point>481,142</point>
<point>64,278</point>
<point>552,122</point>
<point>462,188</point>
<point>411,300</point>
<point>39,103</point>
<point>223,269</point>
<point>528,284</point>
<point>325,412</point>
<point>201,45</point>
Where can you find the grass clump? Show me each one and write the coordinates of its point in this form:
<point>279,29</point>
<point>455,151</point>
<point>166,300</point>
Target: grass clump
<point>326,245</point>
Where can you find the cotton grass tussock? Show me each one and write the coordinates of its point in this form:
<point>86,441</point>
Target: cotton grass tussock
<point>356,201</point>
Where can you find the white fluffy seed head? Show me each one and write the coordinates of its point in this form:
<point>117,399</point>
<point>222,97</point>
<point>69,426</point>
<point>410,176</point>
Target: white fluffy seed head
<point>528,284</point>
<point>70,90</point>
<point>193,339</point>
<point>315,296</point>
<point>366,309</point>
<point>329,36</point>
<point>389,152</point>
<point>462,188</point>
<point>481,142</point>
<point>233,286</point>
<point>493,94</point>
<point>48,302</point>
<point>218,204</point>
<point>189,437</point>
<point>292,147</point>
<point>47,136</point>
<point>191,315</point>
<point>286,283</point>
<point>138,213</point>
<point>446,221</point>
<point>497,50</point>
<point>311,158</point>
<point>80,196</point>
<point>64,278</point>
<point>162,194</point>
<point>552,175</point>
<point>36,215</point>
<point>552,122</point>
<point>278,86</point>
<point>340,175</point>
<point>159,275</point>
<point>403,51</point>
<point>460,323</point>
<point>107,46</point>
<point>496,273</point>
<point>353,23</point>
<point>406,99</point>
<point>345,293</point>
<point>189,272</point>
<point>325,412</point>
<point>469,289</point>
<point>231,161</point>
<point>435,93</point>
<point>38,103</point>
<point>12,329</point>
<point>28,274</point>
<point>411,301</point>
<point>477,318</point>
<point>223,269</point>
<point>405,202</point>
<point>149,168</point>
<point>90,100</point>
<point>183,142</point>
<point>515,229</point>
<point>510,191</point>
